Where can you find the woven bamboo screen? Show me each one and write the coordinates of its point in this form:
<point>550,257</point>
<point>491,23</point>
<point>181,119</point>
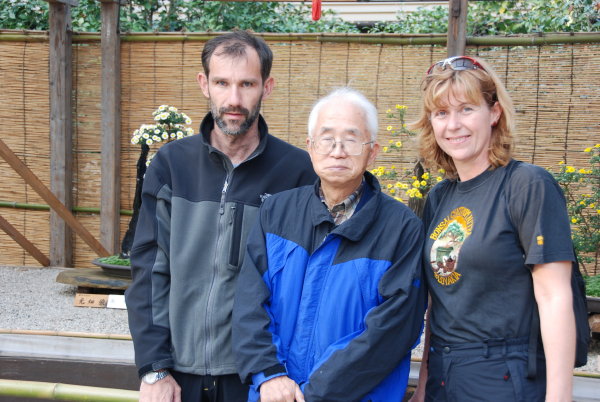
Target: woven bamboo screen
<point>556,89</point>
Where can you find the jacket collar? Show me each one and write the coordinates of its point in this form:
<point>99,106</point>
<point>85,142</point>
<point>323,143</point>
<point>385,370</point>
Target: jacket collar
<point>354,228</point>
<point>208,124</point>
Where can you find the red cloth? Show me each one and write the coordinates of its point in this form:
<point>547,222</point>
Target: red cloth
<point>316,10</point>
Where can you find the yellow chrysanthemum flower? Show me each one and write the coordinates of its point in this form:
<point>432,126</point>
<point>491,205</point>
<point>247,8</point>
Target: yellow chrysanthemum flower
<point>423,183</point>
<point>561,162</point>
<point>416,184</point>
<point>438,179</point>
<point>582,171</point>
<point>570,169</point>
<point>392,191</point>
<point>425,175</point>
<point>588,149</point>
<point>385,149</point>
<point>389,185</point>
<point>389,128</point>
<point>574,220</point>
<point>399,144</point>
<point>388,111</point>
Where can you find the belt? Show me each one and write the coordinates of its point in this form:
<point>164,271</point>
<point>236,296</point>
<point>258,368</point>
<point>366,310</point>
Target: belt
<point>485,348</point>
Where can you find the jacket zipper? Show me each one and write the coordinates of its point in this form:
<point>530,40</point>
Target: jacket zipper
<point>207,321</point>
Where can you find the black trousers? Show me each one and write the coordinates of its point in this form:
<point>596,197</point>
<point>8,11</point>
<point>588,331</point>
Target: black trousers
<point>206,388</point>
<point>495,371</point>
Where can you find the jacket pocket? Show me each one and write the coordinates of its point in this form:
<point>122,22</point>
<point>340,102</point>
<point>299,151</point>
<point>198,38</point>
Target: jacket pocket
<point>236,237</point>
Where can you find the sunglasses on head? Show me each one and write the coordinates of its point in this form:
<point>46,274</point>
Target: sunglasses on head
<point>457,63</point>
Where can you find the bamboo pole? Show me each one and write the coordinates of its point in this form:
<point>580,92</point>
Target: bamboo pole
<point>68,392</point>
<point>44,207</point>
<point>391,39</point>
<point>66,334</point>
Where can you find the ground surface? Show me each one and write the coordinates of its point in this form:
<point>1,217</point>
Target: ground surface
<point>31,299</point>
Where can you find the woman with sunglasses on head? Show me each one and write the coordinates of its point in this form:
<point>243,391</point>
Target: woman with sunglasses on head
<point>498,242</point>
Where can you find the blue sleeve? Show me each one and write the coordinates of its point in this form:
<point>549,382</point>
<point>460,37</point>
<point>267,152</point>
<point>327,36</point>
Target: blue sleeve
<point>254,344</point>
<point>391,329</point>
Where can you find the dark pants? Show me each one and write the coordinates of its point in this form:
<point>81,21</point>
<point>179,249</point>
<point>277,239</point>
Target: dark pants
<point>206,388</point>
<point>492,371</point>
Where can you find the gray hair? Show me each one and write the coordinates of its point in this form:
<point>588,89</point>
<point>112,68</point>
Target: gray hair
<point>353,96</point>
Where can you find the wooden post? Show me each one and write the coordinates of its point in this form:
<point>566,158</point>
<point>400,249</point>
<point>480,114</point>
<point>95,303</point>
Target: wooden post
<point>61,158</point>
<point>111,127</point>
<point>457,27</point>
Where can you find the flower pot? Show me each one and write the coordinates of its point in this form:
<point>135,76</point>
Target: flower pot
<point>112,269</point>
<point>593,304</point>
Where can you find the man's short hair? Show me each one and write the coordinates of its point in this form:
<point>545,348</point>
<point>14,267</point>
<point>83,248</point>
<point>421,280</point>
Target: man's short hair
<point>353,96</point>
<point>234,45</point>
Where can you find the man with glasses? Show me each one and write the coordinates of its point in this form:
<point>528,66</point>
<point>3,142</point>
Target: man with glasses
<point>329,301</point>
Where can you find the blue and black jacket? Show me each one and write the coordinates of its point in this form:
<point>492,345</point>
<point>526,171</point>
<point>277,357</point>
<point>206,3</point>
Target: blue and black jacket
<point>337,309</point>
<point>197,210</point>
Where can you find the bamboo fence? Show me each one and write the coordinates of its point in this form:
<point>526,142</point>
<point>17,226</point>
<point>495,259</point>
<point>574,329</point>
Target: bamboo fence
<point>553,79</point>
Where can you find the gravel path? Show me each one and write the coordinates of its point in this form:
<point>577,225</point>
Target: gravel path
<point>31,299</point>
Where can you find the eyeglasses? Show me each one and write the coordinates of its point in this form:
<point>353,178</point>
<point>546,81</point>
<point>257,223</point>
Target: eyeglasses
<point>326,145</point>
<point>457,63</point>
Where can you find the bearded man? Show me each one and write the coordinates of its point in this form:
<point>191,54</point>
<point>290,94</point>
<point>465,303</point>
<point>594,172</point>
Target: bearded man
<point>201,195</point>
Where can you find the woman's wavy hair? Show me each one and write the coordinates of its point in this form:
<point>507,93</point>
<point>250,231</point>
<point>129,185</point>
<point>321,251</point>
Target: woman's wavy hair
<point>473,86</point>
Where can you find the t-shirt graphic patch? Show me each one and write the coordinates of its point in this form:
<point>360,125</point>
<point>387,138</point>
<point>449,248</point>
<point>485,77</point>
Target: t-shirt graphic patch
<point>449,236</point>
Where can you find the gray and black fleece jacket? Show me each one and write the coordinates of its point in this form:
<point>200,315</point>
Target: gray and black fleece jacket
<point>197,210</point>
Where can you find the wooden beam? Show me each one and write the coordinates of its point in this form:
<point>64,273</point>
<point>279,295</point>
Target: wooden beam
<point>23,242</point>
<point>72,3</point>
<point>457,27</point>
<point>61,144</point>
<point>60,209</point>
<point>111,127</point>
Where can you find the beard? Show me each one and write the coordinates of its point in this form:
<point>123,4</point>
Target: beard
<point>244,126</point>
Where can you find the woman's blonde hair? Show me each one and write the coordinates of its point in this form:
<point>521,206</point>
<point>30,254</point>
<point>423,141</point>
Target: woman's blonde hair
<point>473,85</point>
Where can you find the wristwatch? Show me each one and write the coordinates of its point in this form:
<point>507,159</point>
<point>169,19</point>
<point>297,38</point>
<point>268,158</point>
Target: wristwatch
<point>152,377</point>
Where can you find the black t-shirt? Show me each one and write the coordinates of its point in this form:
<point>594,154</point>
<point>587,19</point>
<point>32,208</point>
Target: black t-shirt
<point>483,237</point>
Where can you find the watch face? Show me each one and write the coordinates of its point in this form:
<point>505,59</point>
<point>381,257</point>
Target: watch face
<point>150,378</point>
<point>154,376</point>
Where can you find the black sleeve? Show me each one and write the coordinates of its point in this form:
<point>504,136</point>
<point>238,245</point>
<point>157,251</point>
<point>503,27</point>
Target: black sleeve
<point>253,342</point>
<point>147,296</point>
<point>392,328</point>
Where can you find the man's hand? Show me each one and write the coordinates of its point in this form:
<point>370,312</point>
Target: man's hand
<point>280,389</point>
<point>165,390</point>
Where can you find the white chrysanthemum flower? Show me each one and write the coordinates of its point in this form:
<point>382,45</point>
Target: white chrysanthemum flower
<point>163,107</point>
<point>156,138</point>
<point>172,109</point>
<point>135,140</point>
<point>179,136</point>
<point>157,117</point>
<point>146,136</point>
<point>149,142</point>
<point>173,135</point>
<point>188,121</point>
<point>189,131</point>
<point>157,131</point>
<point>165,136</point>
